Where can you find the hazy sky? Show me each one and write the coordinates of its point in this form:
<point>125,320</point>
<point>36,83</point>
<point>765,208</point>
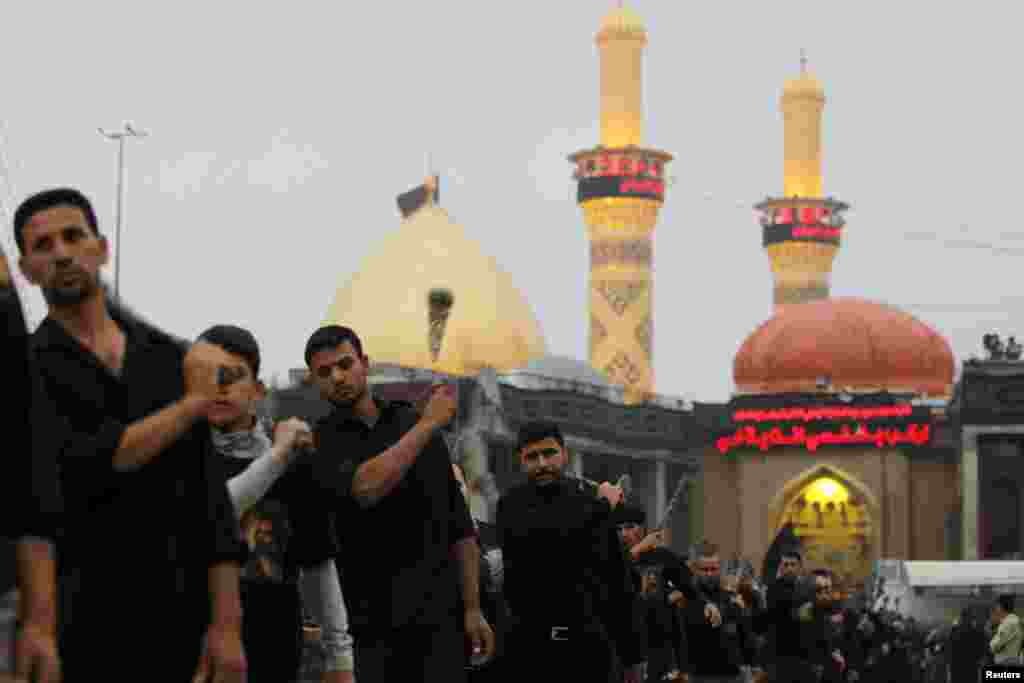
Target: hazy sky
<point>282,132</point>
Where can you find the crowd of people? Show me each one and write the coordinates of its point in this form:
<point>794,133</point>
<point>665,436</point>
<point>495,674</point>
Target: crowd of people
<point>155,528</point>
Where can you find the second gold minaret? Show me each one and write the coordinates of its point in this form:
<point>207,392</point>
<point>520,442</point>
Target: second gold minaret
<point>802,229</point>
<point>803,101</point>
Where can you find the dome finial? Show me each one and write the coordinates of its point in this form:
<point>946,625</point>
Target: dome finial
<point>803,61</point>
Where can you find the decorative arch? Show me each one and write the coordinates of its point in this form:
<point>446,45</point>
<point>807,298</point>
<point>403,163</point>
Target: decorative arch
<point>785,498</point>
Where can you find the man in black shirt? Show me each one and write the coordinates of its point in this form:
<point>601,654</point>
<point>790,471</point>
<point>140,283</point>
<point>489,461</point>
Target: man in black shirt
<point>152,551</point>
<point>788,660</point>
<point>718,652</point>
<point>31,505</point>
<point>568,584</point>
<point>665,583</point>
<point>275,499</point>
<point>405,537</point>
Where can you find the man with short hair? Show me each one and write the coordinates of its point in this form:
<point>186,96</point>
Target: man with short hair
<point>822,639</point>
<point>786,656</point>
<point>568,583</point>
<point>292,545</point>
<point>718,652</point>
<point>1008,638</point>
<point>405,536</point>
<point>660,574</point>
<point>30,514</point>
<point>149,522</point>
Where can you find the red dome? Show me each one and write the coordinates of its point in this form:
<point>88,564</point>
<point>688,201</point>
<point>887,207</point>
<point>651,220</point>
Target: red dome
<point>856,344</point>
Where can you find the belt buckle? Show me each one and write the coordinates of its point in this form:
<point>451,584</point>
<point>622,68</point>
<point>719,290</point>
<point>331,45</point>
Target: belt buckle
<point>560,633</point>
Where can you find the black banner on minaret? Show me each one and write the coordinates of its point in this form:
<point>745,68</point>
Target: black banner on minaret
<point>602,187</point>
<point>794,232</point>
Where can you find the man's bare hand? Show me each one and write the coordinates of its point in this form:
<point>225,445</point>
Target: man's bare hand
<point>440,407</point>
<point>480,634</point>
<point>677,599</point>
<point>712,614</point>
<point>611,493</point>
<point>201,364</point>
<point>292,434</point>
<point>655,539</point>
<point>35,655</point>
<point>223,659</point>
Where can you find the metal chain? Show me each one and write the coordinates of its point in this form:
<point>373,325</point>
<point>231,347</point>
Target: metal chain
<point>666,519</point>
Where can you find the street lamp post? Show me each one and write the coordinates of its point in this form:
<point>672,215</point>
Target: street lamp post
<point>127,131</point>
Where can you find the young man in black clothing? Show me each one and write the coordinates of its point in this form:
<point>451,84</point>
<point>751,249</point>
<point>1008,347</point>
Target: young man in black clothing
<point>718,653</point>
<point>660,607</point>
<point>404,532</point>
<point>290,538</point>
<point>787,657</point>
<point>151,549</point>
<point>31,508</point>
<point>568,583</point>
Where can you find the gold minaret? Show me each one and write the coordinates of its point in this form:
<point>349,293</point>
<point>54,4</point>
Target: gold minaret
<point>621,187</point>
<point>802,229</point>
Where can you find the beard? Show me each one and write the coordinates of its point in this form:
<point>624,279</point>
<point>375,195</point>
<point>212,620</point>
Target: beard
<point>63,296</point>
<point>349,400</point>
<point>544,477</point>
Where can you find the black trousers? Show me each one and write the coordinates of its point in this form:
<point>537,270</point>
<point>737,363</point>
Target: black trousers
<point>534,657</point>
<point>411,655</point>
<point>100,640</point>
<point>272,632</point>
<point>791,670</point>
<point>119,652</point>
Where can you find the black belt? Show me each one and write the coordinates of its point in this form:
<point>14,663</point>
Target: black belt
<point>560,633</point>
<point>557,634</point>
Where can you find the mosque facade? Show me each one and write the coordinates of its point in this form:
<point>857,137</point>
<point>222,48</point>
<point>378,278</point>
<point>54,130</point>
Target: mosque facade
<point>840,424</point>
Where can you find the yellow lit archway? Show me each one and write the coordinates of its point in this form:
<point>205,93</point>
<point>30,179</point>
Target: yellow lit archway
<point>834,516</point>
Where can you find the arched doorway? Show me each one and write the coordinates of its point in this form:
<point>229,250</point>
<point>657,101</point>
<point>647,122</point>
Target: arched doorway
<point>835,517</point>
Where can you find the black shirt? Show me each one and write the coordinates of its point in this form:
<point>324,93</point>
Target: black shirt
<point>395,563</point>
<point>303,530</point>
<point>145,539</point>
<point>663,622</point>
<point>786,632</point>
<point>271,601</point>
<point>29,496</point>
<point>719,651</point>
<point>565,565</point>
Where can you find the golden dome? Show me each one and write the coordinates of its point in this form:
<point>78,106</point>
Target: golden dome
<point>385,302</point>
<point>622,20</point>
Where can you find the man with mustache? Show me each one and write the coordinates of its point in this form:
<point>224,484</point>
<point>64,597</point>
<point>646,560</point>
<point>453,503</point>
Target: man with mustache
<point>568,583</point>
<point>149,522</point>
<point>405,537</point>
<point>30,516</point>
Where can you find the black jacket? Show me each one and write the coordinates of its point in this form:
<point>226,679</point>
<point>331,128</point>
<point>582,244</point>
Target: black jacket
<point>565,565</point>
<point>721,650</point>
<point>396,563</point>
<point>665,632</point>
<point>786,633</point>
<point>29,497</point>
<point>154,532</point>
